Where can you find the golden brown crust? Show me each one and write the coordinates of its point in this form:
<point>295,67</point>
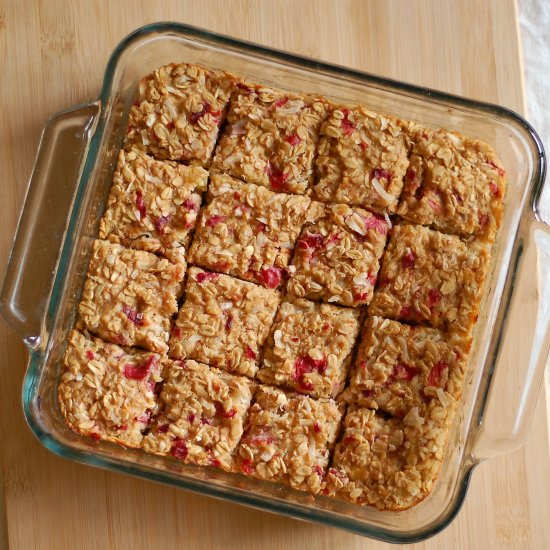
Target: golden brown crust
<point>202,411</point>
<point>130,296</point>
<point>454,184</point>
<point>398,367</point>
<point>248,231</point>
<point>107,392</point>
<point>153,204</point>
<point>309,347</point>
<point>178,112</point>
<point>362,159</point>
<point>270,139</point>
<point>432,278</point>
<point>223,322</point>
<point>288,438</point>
<point>336,259</point>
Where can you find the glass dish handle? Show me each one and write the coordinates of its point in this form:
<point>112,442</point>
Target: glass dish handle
<point>525,342</point>
<point>40,233</point>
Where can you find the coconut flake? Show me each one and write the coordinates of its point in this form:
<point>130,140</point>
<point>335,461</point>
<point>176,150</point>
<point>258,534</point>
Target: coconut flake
<point>193,339</point>
<point>443,399</point>
<point>354,225</point>
<point>387,218</point>
<point>234,158</point>
<point>144,137</point>
<point>381,191</point>
<point>277,338</point>
<point>455,139</point>
<point>238,128</point>
<point>361,280</point>
<point>413,419</point>
<point>175,91</point>
<point>290,107</point>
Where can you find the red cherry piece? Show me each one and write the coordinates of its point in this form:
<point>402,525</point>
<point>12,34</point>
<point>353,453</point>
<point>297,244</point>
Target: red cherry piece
<point>293,139</point>
<point>405,312</point>
<point>271,277</point>
<point>204,276</point>
<point>381,174</point>
<point>407,261</point>
<point>190,204</point>
<point>247,466</point>
<point>179,448</point>
<point>434,297</point>
<point>280,102</point>
<point>436,374</point>
<point>228,322</point>
<point>140,204</point>
<point>206,108</point>
<point>377,223</point>
<point>483,220</point>
<point>216,219</point>
<point>277,178</point>
<point>360,296</point>
<point>139,372</point>
<point>311,241</point>
<point>250,353</point>
<point>161,222</point>
<point>305,365</point>
<point>404,372</point>
<point>133,315</point>
<point>347,125</point>
<point>90,355</point>
<point>220,411</point>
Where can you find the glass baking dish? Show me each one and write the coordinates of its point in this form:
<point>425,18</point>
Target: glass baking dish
<point>68,190</point>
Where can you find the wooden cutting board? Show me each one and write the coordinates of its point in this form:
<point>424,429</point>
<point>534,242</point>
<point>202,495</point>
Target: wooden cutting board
<point>53,56</point>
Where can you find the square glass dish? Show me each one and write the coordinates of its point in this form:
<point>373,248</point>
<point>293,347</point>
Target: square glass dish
<point>66,198</point>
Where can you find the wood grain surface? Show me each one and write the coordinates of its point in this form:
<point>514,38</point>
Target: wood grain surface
<point>53,54</point>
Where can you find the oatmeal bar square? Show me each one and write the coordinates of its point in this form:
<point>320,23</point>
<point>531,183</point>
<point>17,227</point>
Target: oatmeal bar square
<point>398,367</point>
<point>202,412</point>
<point>270,138</point>
<point>178,112</point>
<point>431,278</point>
<point>337,257</point>
<point>130,296</point>
<point>388,463</point>
<point>309,347</point>
<point>248,231</point>
<point>362,159</point>
<point>288,438</point>
<point>453,184</point>
<point>153,204</point>
<point>223,322</point>
<point>107,392</point>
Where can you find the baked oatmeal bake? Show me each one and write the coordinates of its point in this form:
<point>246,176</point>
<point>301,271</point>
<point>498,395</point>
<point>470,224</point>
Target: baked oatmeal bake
<point>283,288</point>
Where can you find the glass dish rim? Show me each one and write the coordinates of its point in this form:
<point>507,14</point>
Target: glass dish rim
<point>37,352</point>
